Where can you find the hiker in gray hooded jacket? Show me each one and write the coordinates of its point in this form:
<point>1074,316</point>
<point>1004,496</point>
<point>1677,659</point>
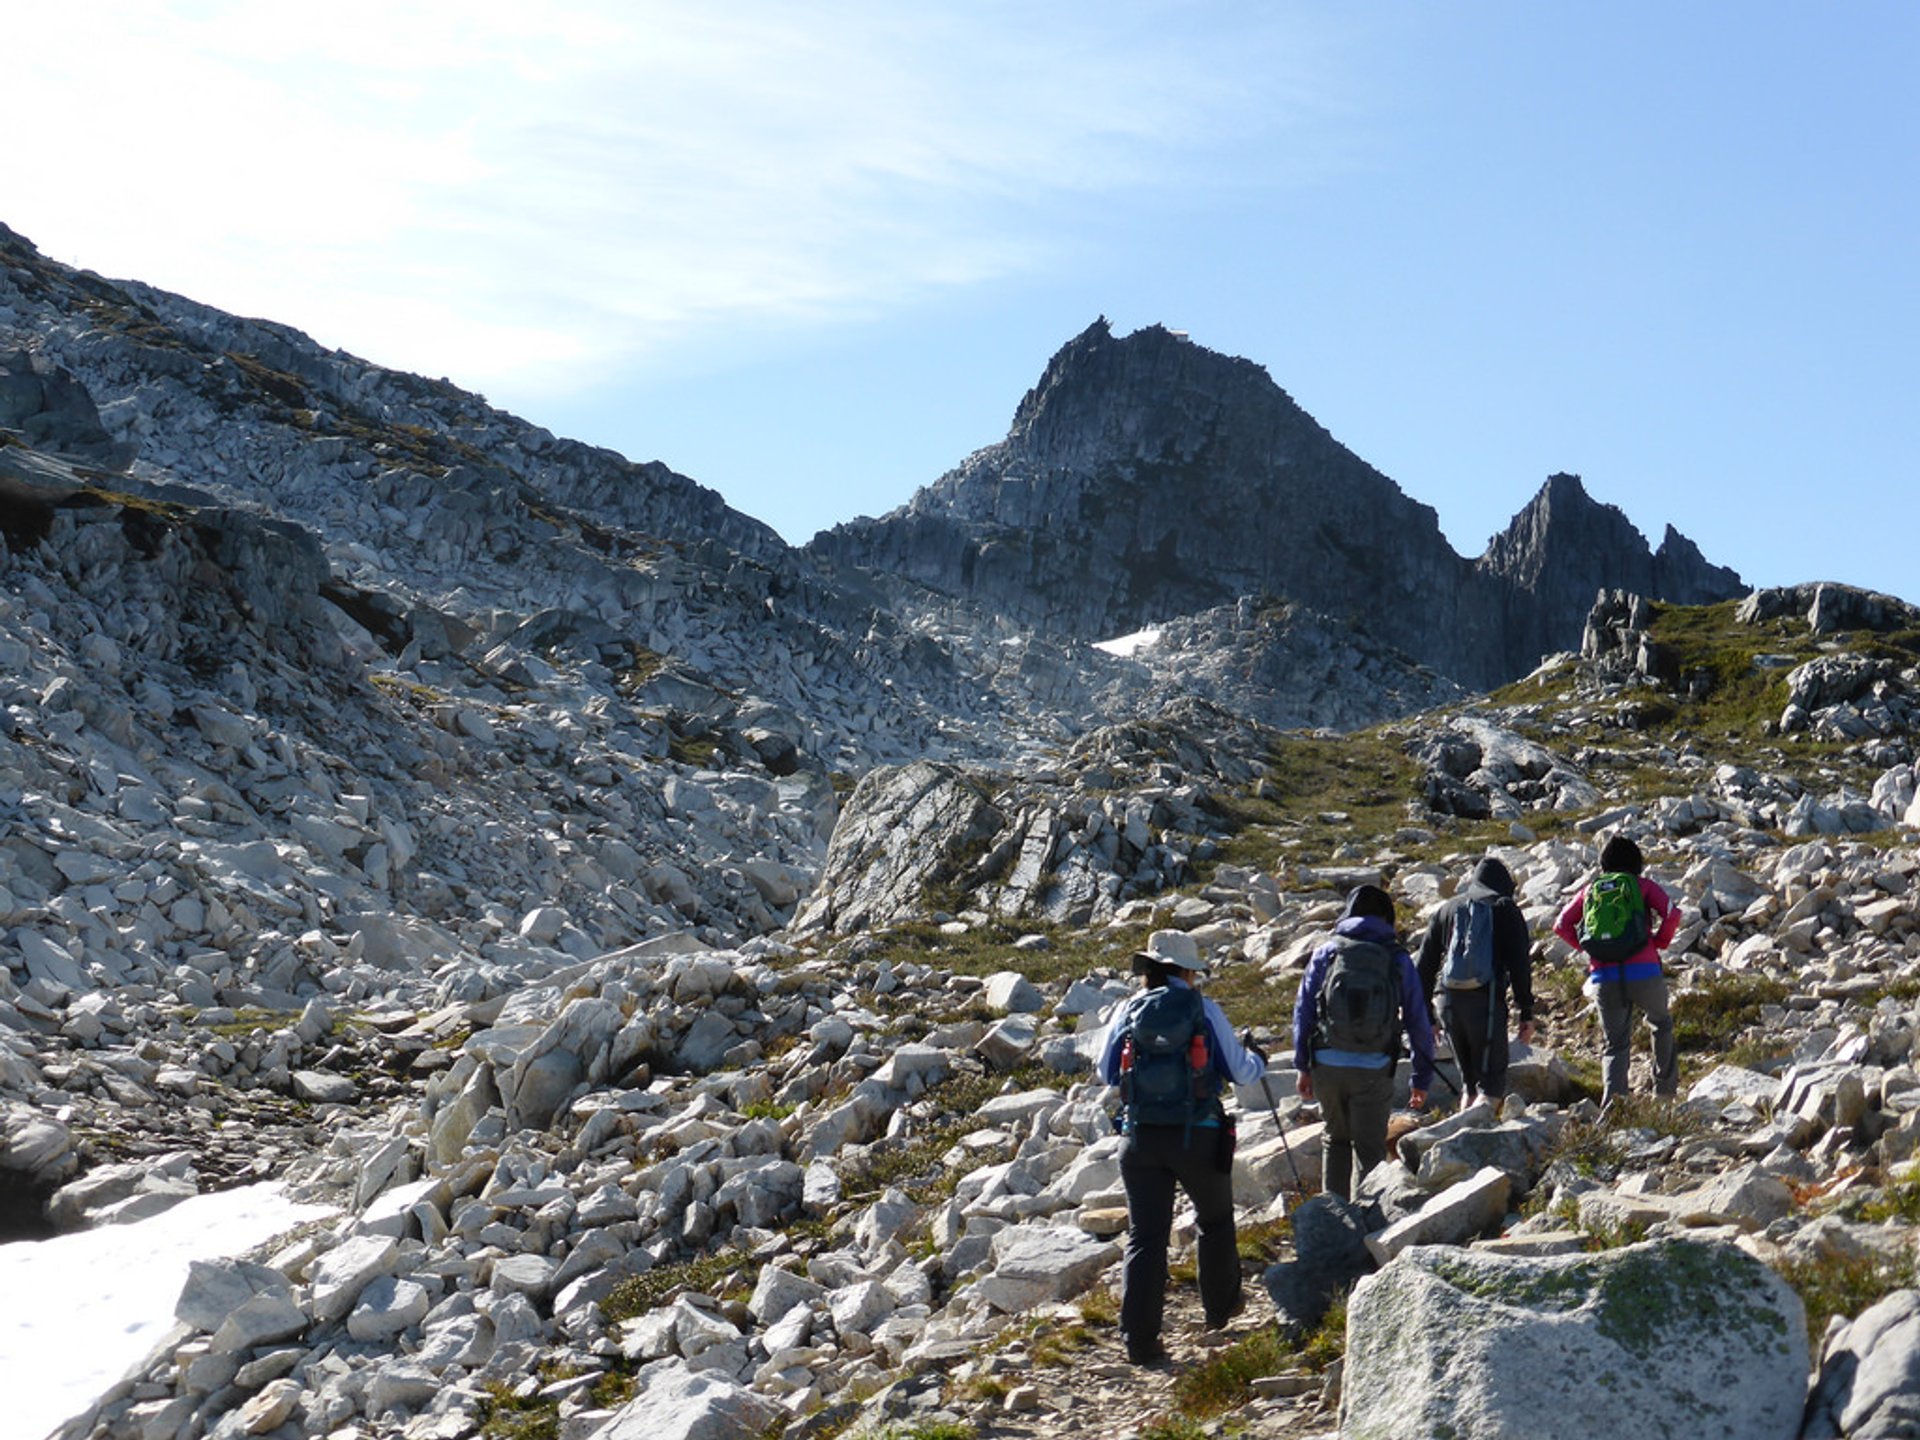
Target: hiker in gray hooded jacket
<point>1473,1009</point>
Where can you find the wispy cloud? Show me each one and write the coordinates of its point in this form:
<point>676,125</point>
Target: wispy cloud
<point>544,191</point>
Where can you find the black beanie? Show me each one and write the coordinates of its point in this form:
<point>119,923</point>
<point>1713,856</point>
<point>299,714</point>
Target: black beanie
<point>1621,854</point>
<point>1370,900</point>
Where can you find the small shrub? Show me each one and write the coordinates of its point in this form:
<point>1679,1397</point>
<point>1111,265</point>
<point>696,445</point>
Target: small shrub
<point>930,1430</point>
<point>638,1294</point>
<point>1264,1242</point>
<point>1173,1427</point>
<point>1592,1147</point>
<point>1100,1307</point>
<point>1225,1379</point>
<point>1843,1285</point>
<point>914,1162</point>
<point>766,1110</point>
<point>1614,1237</point>
<point>1328,1340</point>
<point>1713,1013</point>
<point>1599,1147</point>
<point>506,1416</point>
<point>1900,1202</point>
<point>1765,1052</point>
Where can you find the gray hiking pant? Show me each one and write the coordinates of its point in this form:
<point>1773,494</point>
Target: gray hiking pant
<point>1618,1001</point>
<point>1355,1104</point>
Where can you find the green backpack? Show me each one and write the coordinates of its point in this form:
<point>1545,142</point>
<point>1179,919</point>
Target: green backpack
<point>1613,918</point>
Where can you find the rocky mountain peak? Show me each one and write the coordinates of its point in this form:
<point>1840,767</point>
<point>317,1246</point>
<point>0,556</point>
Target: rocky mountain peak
<point>1564,547</point>
<point>1150,396</point>
<point>1146,478</point>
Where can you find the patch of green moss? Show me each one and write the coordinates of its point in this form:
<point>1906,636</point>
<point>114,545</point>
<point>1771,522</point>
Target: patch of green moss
<point>1636,1295</point>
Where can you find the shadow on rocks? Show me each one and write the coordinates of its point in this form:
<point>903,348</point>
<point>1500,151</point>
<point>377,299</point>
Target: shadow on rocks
<point>1330,1253</point>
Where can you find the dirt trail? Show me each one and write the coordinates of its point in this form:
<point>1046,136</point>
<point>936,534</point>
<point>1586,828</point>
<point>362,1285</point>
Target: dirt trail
<point>1097,1393</point>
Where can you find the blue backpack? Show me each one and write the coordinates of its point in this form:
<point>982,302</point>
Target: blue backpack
<point>1167,1075</point>
<point>1469,962</point>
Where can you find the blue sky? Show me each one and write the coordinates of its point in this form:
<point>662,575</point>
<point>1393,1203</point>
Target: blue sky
<point>812,254</point>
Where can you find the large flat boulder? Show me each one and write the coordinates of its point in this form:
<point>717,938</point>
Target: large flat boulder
<point>1666,1340</point>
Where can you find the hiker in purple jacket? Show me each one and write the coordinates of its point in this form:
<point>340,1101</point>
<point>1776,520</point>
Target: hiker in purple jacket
<point>1346,1055</point>
<point>1635,983</point>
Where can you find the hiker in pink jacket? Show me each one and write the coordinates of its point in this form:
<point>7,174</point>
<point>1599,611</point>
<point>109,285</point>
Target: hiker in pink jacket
<point>1624,967</point>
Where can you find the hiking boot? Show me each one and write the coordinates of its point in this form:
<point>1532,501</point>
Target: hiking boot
<point>1152,1356</point>
<point>1221,1322</point>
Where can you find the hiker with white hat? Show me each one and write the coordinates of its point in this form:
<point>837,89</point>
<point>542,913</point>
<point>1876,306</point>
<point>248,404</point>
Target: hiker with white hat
<point>1171,1051</point>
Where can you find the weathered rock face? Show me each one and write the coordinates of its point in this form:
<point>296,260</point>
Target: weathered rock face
<point>1146,478</point>
<point>48,407</point>
<point>1118,821</point>
<point>1664,1339</point>
<point>1563,548</point>
<point>1869,1372</point>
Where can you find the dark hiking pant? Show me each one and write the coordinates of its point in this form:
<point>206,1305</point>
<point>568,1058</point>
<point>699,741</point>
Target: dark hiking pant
<point>1479,1041</point>
<point>1355,1104</point>
<point>1154,1163</point>
<point>1618,1002</point>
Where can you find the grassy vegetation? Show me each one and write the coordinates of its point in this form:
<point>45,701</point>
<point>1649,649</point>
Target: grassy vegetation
<point>1706,643</point>
<point>1048,1344</point>
<point>915,1163</point>
<point>1898,1202</point>
<point>1264,1242</point>
<point>251,1019</point>
<point>1712,698</point>
<point>1711,1014</point>
<point>692,750</point>
<point>642,665</point>
<point>1598,1147</point>
<point>984,949</point>
<point>1174,1427</point>
<point>1843,1285</point>
<point>1224,1381</point>
<point>723,1272</point>
<point>507,1416</point>
<point>1557,986</point>
<point>1328,1340</point>
<point>1320,792</point>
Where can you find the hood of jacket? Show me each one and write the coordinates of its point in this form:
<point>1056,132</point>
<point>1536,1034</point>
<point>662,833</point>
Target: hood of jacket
<point>1490,878</point>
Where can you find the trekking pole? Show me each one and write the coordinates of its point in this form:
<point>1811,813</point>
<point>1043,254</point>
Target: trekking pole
<point>1285,1148</point>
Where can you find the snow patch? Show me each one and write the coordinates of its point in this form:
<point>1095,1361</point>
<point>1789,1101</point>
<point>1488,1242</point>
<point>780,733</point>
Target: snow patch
<point>1127,646</point>
<point>84,1309</point>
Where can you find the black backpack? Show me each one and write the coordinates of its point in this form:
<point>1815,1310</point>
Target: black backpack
<point>1166,1070</point>
<point>1469,962</point>
<point>1360,999</point>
